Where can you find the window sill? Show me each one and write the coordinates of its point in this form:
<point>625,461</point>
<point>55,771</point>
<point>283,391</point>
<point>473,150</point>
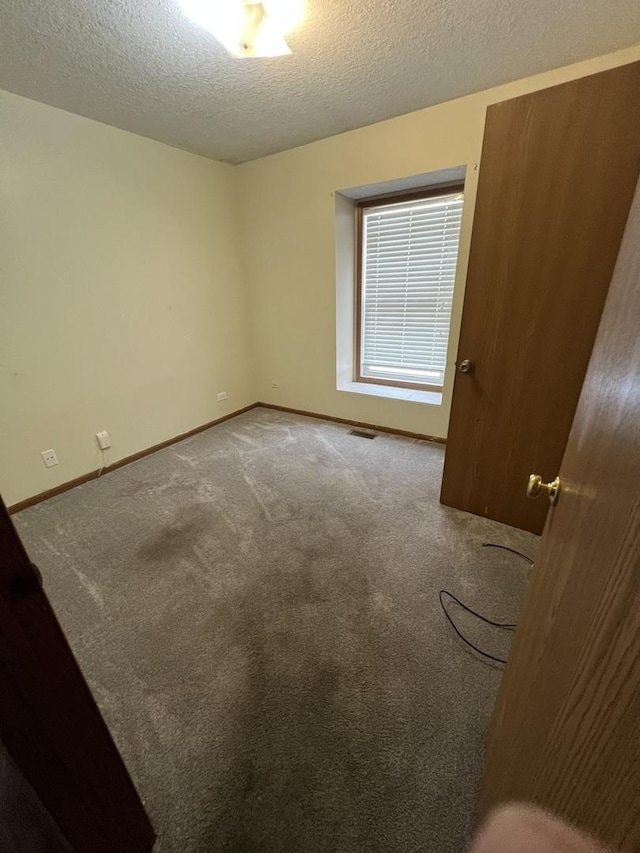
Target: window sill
<point>431,398</point>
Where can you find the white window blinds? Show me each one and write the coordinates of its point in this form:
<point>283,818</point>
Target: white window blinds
<point>409,254</point>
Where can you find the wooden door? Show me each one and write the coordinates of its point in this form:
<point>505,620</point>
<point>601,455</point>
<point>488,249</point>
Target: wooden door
<point>565,732</point>
<point>50,725</point>
<point>557,176</point>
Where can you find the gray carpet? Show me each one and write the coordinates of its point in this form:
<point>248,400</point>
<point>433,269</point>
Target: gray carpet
<point>256,611</point>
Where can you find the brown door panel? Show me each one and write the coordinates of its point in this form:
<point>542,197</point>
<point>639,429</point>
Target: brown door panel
<point>565,732</point>
<point>557,176</point>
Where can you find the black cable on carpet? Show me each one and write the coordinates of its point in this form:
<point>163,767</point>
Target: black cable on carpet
<point>507,626</point>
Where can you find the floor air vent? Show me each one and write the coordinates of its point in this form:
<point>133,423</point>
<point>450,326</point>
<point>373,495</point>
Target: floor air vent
<point>360,433</point>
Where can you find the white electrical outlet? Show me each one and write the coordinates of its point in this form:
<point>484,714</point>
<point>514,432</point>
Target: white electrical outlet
<point>222,396</point>
<point>275,385</point>
<point>49,458</point>
<point>104,442</point>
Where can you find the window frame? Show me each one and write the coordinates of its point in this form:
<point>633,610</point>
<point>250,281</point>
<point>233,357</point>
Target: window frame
<point>373,201</point>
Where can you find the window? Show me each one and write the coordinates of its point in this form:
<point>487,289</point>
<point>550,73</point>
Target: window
<point>407,253</point>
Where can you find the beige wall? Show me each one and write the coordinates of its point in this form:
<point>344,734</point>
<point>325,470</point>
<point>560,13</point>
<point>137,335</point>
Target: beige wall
<point>288,213</point>
<point>121,301</point>
<point>137,281</point>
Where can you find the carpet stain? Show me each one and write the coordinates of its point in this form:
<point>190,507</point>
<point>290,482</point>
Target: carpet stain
<point>176,536</point>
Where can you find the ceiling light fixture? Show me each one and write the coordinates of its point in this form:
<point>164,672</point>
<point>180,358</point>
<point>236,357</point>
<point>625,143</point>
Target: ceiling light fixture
<point>247,28</point>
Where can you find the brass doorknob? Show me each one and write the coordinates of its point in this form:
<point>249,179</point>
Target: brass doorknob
<point>535,487</point>
<point>466,366</point>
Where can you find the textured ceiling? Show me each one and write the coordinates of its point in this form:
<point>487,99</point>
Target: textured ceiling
<point>141,65</point>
